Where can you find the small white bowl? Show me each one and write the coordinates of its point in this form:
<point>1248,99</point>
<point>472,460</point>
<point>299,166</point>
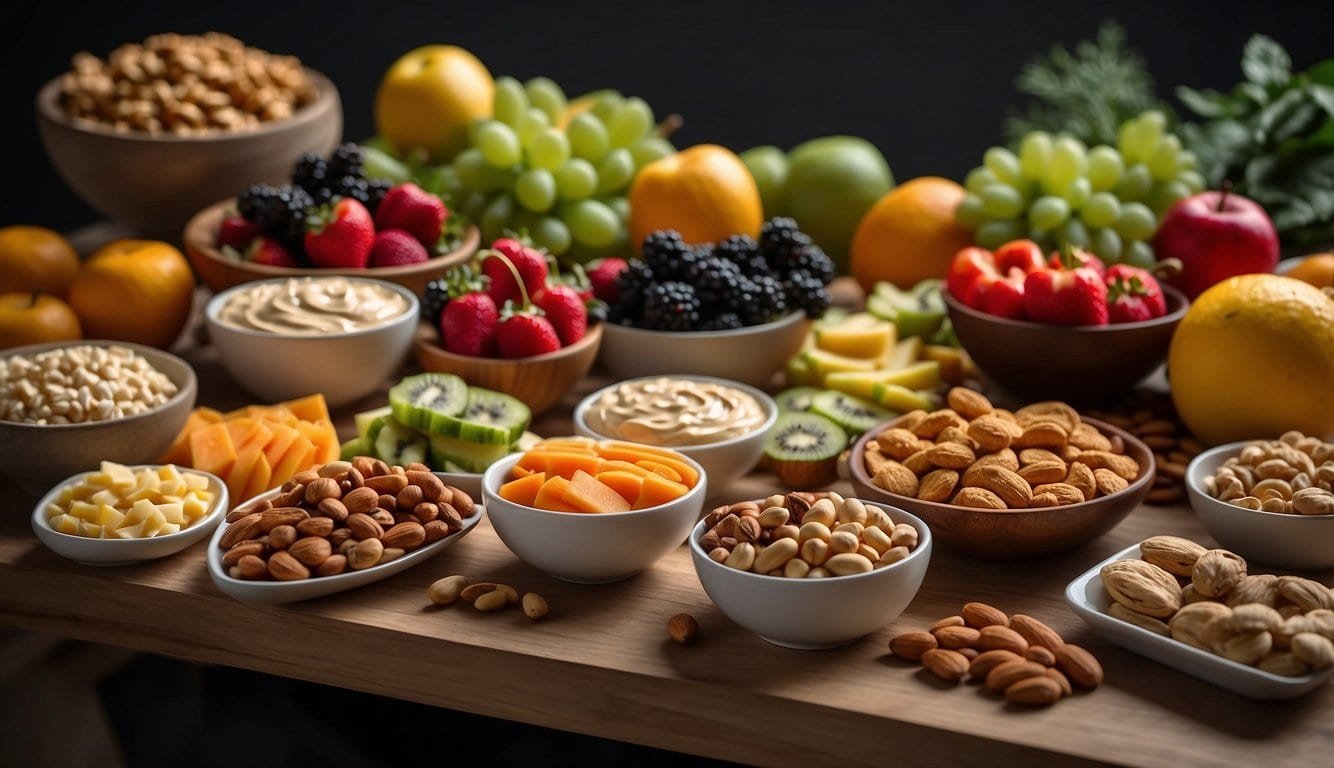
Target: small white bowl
<point>344,366</point>
<point>813,614</point>
<point>126,551</point>
<point>1303,542</point>
<point>589,548</point>
<point>749,355</point>
<point>723,461</point>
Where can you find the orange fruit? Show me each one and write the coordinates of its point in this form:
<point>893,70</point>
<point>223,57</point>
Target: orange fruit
<point>909,235</point>
<point>1316,269</point>
<point>36,259</point>
<point>134,290</point>
<point>1254,358</point>
<point>35,318</point>
<point>428,98</point>
<point>704,192</point>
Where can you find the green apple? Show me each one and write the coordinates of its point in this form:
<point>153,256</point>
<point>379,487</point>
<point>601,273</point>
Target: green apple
<point>831,183</point>
<point>768,165</point>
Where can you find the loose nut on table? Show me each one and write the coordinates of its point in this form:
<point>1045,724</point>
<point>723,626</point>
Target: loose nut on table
<point>1079,666</point>
<point>534,606</point>
<point>911,645</point>
<point>1034,691</point>
<point>945,664</point>
<point>447,590</point>
<point>683,629</point>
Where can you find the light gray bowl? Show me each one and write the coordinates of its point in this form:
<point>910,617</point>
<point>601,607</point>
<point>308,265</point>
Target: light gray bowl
<point>37,456</point>
<point>344,366</point>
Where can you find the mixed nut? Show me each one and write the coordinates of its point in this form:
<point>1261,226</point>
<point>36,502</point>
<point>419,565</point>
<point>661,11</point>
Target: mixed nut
<point>1152,417</point>
<point>1293,475</point>
<point>1206,599</point>
<point>80,383</point>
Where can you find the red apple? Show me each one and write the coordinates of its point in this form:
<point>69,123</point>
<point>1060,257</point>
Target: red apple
<point>1216,235</point>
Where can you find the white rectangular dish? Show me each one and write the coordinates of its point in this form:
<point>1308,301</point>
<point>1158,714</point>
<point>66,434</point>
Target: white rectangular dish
<point>1087,598</point>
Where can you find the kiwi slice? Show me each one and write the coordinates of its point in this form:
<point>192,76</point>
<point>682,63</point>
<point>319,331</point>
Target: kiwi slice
<point>363,420</point>
<point>428,401</point>
<point>466,456</point>
<point>396,443</point>
<point>803,449</point>
<point>488,418</point>
<point>796,399</point>
<point>353,448</point>
<point>853,414</point>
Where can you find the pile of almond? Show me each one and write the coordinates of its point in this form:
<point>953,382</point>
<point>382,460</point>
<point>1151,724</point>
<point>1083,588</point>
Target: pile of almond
<point>485,596</point>
<point>1016,656</point>
<point>341,516</point>
<point>1292,475</point>
<point>1206,599</point>
<point>806,536</point>
<point>972,454</point>
<point>1152,417</point>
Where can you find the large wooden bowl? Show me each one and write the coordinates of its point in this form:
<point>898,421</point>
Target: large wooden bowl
<point>156,183</point>
<point>1014,533</point>
<point>540,382</point>
<point>220,273</point>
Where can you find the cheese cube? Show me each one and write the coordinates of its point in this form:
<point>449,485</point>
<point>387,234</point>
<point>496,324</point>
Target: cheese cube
<point>109,516</point>
<point>83,510</point>
<point>118,475</point>
<point>168,528</point>
<point>106,496</point>
<point>194,507</point>
<point>153,523</point>
<point>195,482</point>
<point>129,532</point>
<point>172,512</point>
<point>90,530</point>
<point>141,511</point>
<point>66,524</point>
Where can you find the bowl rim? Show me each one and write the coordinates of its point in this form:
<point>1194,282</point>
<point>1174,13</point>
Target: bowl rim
<point>218,507</point>
<point>1192,484</point>
<point>492,475</point>
<point>857,468</point>
<point>186,387</point>
<point>924,545</point>
<point>48,109</point>
<point>1177,304</point>
<point>761,397</point>
<point>216,302</point>
<point>791,318</point>
<point>592,336</point>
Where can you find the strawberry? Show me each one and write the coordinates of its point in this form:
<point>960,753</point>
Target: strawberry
<point>1081,258</point>
<point>340,235</point>
<point>414,210</point>
<point>468,325</point>
<point>1023,255</point>
<point>603,277</point>
<point>1133,295</point>
<point>237,232</point>
<point>265,250</point>
<point>506,257</point>
<point>565,309</point>
<point>975,280</point>
<point>1066,297</point>
<point>395,247</point>
<point>525,333</point>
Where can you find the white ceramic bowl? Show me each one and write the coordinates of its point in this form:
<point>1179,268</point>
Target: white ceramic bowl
<point>1304,542</point>
<point>344,366</point>
<point>812,614</point>
<point>749,355</point>
<point>125,551</point>
<point>589,548</point>
<point>723,461</point>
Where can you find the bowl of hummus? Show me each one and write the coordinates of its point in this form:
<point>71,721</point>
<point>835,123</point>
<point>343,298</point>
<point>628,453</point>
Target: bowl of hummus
<point>717,422</point>
<point>289,337</point>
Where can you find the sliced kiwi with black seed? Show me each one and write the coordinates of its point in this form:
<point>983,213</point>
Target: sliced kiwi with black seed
<point>488,418</point>
<point>853,414</point>
<point>796,399</point>
<point>463,455</point>
<point>364,419</point>
<point>803,449</point>
<point>428,401</point>
<point>396,443</point>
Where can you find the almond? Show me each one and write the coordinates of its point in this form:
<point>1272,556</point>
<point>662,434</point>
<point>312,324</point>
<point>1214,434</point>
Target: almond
<point>1002,458</point>
<point>979,615</point>
<point>991,433</point>
<point>361,500</point>
<point>233,555</point>
<point>1080,476</point>
<point>315,526</point>
<point>363,526</point>
<point>407,536</point>
<point>1042,434</point>
<point>978,498</point>
<point>1108,482</point>
<point>1064,492</point>
<point>1259,588</point>
<point>968,403</point>
<point>332,566</point>
<point>1041,655</point>
<point>383,515</point>
<point>252,568</point>
<point>1078,665</point>
<point>948,621</point>
<point>1217,571</point>
<point>937,485</point>
<point>433,488</point>
<point>282,537</point>
<point>1086,437</point>
<point>1035,632</point>
<point>918,463</point>
<point>1130,616</point>
<point>998,638</point>
<point>243,529</point>
<point>1195,622</point>
<point>1307,594</point>
<point>911,645</point>
<point>935,422</point>
<point>1173,554</point>
<point>954,638</point>
<point>1008,673</point>
<point>1009,486</point>
<point>1034,691</point>
<point>989,660</point>
<point>945,664</point>
<point>1035,455</point>
<point>897,443</point>
<point>365,554</point>
<point>409,497</point>
<point>1040,472</point>
<point>333,509</point>
<point>435,531</point>
<point>284,567</point>
<point>322,488</point>
<point>1053,411</point>
<point>951,455</point>
<point>897,479</point>
<point>461,501</point>
<point>1043,500</point>
<point>1061,680</point>
<point>272,518</point>
<point>247,508</point>
<point>311,550</point>
<point>1142,587</point>
<point>390,484</point>
<point>1124,466</point>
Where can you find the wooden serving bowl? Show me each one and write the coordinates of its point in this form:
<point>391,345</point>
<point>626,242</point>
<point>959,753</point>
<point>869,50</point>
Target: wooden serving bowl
<point>156,183</point>
<point>220,273</point>
<point>1014,533</point>
<point>540,382</point>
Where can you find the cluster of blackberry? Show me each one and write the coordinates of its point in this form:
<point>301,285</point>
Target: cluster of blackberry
<point>732,284</point>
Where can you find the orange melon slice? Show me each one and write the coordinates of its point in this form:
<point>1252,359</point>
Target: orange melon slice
<point>212,450</point>
<point>552,496</point>
<point>627,484</point>
<point>523,490</point>
<point>567,444</point>
<point>280,443</point>
<point>517,472</point>
<point>587,494</point>
<point>323,437</point>
<point>562,463</point>
<point>634,453</point>
<point>299,456</point>
<point>310,408</point>
<point>238,480</point>
<point>179,451</point>
<point>658,490</point>
<point>260,474</point>
<point>617,465</point>
<point>660,469</point>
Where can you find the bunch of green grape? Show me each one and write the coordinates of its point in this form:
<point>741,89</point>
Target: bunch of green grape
<point>1058,193</point>
<point>558,174</point>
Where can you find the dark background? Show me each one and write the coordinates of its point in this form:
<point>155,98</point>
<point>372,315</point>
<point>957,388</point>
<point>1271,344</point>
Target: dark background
<point>928,82</point>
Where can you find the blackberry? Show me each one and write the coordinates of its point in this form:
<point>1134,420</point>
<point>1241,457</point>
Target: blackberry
<point>810,259</point>
<point>433,302</point>
<point>631,285</point>
<point>375,191</point>
<point>808,292</point>
<point>778,238</point>
<point>667,255</point>
<point>745,253</point>
<point>727,321</point>
<point>768,301</point>
<point>354,187</point>
<point>670,306</point>
<point>279,211</point>
<point>310,173</point>
<point>348,160</point>
<point>715,279</point>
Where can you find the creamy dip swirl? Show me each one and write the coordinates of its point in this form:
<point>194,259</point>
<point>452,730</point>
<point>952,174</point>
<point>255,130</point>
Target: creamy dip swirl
<point>666,411</point>
<point>308,306</point>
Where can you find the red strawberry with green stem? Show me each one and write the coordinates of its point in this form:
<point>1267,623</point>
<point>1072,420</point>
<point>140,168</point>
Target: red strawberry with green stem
<point>395,247</point>
<point>468,322</point>
<point>414,210</point>
<point>1133,295</point>
<point>566,311</point>
<point>523,264</point>
<point>1073,295</point>
<point>340,235</point>
<point>524,330</point>
<point>603,277</point>
<point>237,232</point>
<point>268,251</point>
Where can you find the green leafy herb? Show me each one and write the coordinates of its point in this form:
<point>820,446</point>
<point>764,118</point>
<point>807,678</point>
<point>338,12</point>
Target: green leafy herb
<point>1273,137</point>
<point>1087,93</point>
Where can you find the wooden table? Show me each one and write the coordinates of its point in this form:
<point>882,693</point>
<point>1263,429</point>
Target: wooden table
<point>602,664</point>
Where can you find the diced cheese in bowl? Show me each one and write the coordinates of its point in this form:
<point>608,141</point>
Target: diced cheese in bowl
<point>117,502</point>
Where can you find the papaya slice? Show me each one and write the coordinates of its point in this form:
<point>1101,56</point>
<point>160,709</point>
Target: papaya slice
<point>567,444</point>
<point>212,450</point>
<point>300,455</point>
<point>552,496</point>
<point>625,483</point>
<point>660,469</point>
<point>657,490</point>
<point>587,494</point>
<point>310,408</point>
<point>179,451</point>
<point>523,490</point>
<point>278,445</point>
<point>260,474</point>
<point>562,463</point>
<point>634,453</point>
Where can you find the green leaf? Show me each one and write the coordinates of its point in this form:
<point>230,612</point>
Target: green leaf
<point>1205,103</point>
<point>1324,96</point>
<point>1254,92</point>
<point>1265,63</point>
<point>1322,73</point>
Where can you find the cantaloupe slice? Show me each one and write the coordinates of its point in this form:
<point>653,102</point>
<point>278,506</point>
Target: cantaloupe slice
<point>660,469</point>
<point>260,474</point>
<point>587,494</point>
<point>562,463</point>
<point>616,465</point>
<point>566,444</point>
<point>239,478</point>
<point>323,437</point>
<point>299,456</point>
<point>523,490</point>
<point>552,496</point>
<point>212,450</point>
<point>634,453</point>
<point>309,408</point>
<point>625,483</point>
<point>179,452</point>
<point>278,445</point>
<point>658,490</point>
<point>517,472</point>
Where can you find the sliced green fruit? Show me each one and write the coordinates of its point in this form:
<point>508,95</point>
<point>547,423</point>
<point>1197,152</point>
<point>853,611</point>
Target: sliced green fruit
<point>488,418</point>
<point>396,443</point>
<point>363,420</point>
<point>796,399</point>
<point>526,442</point>
<point>353,448</point>
<point>428,401</point>
<point>800,373</point>
<point>825,363</point>
<point>905,353</point>
<point>467,456</point>
<point>860,335</point>
<point>899,398</point>
<point>918,311</point>
<point>803,449</point>
<point>853,414</point>
<point>924,375</point>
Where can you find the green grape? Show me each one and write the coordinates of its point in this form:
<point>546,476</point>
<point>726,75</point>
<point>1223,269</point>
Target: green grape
<point>1077,194</point>
<point>1106,244</point>
<point>1163,162</point>
<point>1135,183</point>
<point>630,123</point>
<point>1073,233</point>
<point>994,234</point>
<point>536,189</point>
<point>1048,212</point>
<point>576,179</point>
<point>620,205</point>
<point>1068,162</point>
<point>591,222</point>
<point>496,217</point>
<point>1138,137</point>
<point>511,103</point>
<point>969,214</point>
<point>1164,196</point>
<point>1101,210</point>
<point>499,144</point>
<point>649,149</point>
<point>531,125</point>
<point>477,174</point>
<point>546,96</point>
<point>1193,180</point>
<point>607,105</point>
<point>977,179</point>
<point>588,137</point>
<point>382,165</point>
<point>1138,254</point>
<point>615,171</point>
<point>549,150</point>
<point>1003,165</point>
<point>1136,222</point>
<point>1001,201</point>
<point>1035,155</point>
<point>1187,161</point>
<point>551,233</point>
<point>1105,167</point>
